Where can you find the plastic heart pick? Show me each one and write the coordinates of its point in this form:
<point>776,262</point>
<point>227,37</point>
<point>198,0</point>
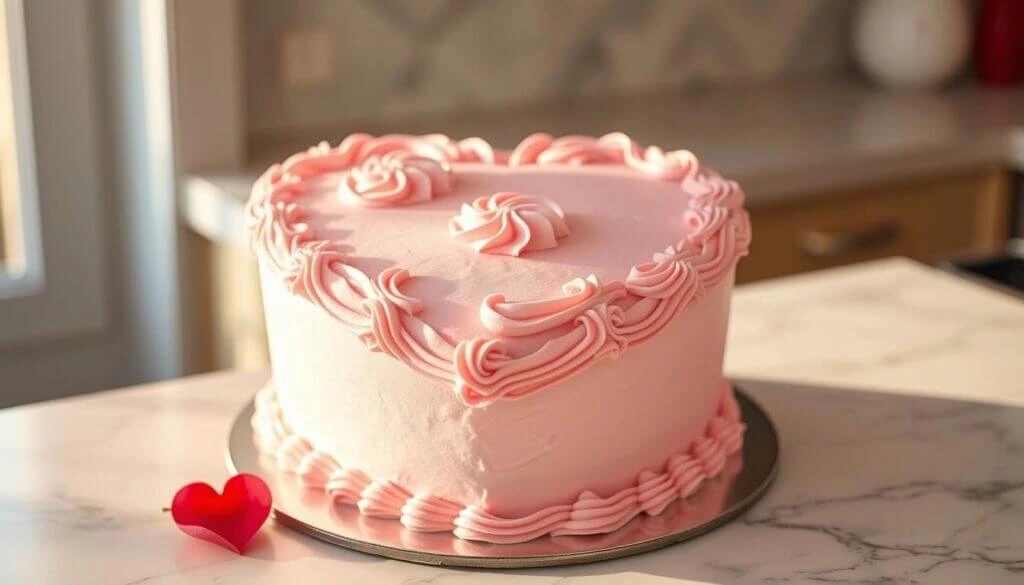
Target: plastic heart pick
<point>229,519</point>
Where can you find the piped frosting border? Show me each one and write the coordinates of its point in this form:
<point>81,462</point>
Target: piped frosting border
<point>607,317</point>
<point>680,477</point>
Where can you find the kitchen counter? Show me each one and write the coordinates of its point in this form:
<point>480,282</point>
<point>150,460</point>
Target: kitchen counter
<point>898,392</point>
<point>780,140</point>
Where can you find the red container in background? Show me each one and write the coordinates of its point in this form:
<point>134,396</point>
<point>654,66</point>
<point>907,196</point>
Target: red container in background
<point>999,42</point>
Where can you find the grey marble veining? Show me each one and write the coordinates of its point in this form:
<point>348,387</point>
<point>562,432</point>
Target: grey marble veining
<point>897,473</point>
<point>893,487</point>
<point>891,325</point>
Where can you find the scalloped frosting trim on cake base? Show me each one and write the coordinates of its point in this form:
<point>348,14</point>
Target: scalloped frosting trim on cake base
<point>679,477</point>
<point>606,317</point>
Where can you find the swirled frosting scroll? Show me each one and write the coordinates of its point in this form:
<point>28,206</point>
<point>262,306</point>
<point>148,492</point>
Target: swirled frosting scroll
<point>510,224</point>
<point>614,148</point>
<point>593,320</point>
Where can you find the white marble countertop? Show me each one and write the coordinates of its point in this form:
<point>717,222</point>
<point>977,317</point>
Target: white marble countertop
<point>783,139</point>
<point>898,392</point>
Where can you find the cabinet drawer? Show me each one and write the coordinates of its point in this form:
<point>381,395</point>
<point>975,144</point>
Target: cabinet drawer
<point>924,219</point>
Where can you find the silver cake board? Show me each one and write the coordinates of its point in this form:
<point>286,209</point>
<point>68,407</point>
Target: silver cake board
<point>744,480</point>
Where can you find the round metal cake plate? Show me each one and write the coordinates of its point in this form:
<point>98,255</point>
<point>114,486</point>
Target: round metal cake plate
<point>744,480</point>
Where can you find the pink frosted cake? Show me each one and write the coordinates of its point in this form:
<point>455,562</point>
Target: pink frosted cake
<point>500,344</point>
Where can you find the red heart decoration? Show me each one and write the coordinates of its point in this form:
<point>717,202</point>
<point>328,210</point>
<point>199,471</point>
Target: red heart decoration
<point>229,519</point>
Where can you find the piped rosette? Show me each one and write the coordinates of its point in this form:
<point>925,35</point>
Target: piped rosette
<point>510,224</point>
<point>395,178</point>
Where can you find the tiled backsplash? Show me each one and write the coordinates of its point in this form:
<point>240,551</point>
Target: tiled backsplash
<point>405,57</point>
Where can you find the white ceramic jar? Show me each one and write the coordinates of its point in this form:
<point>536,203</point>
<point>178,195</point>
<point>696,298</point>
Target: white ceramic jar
<point>911,44</point>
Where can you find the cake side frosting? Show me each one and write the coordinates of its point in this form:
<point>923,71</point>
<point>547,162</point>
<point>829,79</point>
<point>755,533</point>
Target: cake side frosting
<point>592,320</point>
<point>681,475</point>
<point>593,431</point>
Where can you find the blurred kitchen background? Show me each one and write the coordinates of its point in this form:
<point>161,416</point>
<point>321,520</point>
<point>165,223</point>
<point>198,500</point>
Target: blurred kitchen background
<point>131,131</point>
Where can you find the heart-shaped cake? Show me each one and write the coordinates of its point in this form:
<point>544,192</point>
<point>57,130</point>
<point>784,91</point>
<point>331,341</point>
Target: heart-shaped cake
<point>501,344</point>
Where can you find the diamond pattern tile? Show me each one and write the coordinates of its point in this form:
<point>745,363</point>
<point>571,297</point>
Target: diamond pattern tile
<point>403,57</point>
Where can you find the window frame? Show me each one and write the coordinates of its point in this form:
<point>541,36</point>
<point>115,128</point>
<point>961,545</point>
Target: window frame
<point>23,270</point>
<point>64,197</point>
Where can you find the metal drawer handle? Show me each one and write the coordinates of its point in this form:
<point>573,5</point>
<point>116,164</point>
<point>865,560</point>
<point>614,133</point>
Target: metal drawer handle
<point>823,244</point>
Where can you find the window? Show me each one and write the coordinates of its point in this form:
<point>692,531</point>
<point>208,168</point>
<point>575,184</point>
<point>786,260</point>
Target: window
<point>21,253</point>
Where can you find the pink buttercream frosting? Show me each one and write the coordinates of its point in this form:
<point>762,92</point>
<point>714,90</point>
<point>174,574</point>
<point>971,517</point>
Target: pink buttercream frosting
<point>383,499</point>
<point>402,327</point>
<point>592,514</point>
<point>614,148</point>
<point>486,371</point>
<point>345,486</point>
<point>592,321</point>
<point>429,514</point>
<point>315,469</point>
<point>653,490</point>
<point>510,224</point>
<point>396,178</point>
<point>514,319</point>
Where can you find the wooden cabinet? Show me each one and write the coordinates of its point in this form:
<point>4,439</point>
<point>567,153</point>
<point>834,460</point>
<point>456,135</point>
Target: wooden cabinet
<point>233,334</point>
<point>925,219</point>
